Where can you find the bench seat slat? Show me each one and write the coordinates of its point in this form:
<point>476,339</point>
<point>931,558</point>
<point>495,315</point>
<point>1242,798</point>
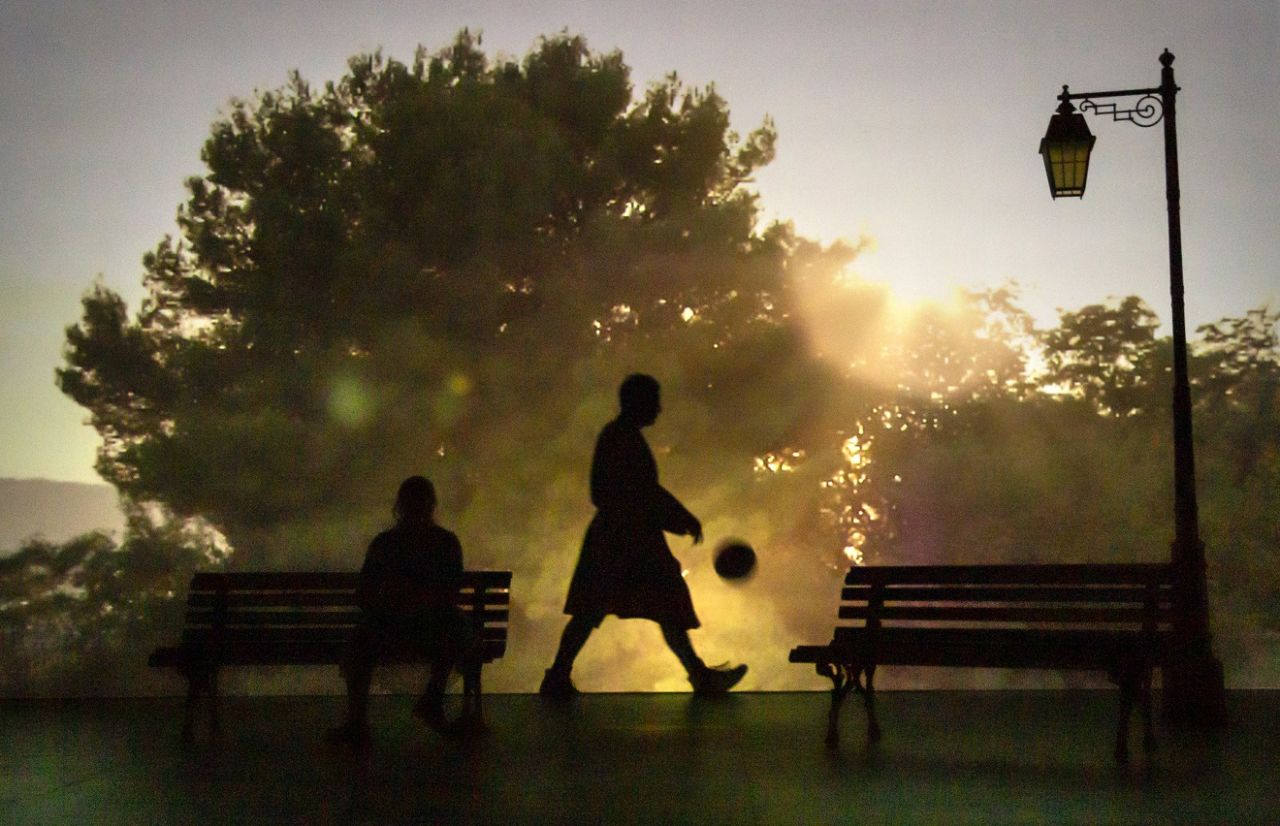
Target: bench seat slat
<point>998,648</point>
<point>810,654</point>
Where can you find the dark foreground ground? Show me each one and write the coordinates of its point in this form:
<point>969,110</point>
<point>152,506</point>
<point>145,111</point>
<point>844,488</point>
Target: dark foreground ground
<point>947,757</point>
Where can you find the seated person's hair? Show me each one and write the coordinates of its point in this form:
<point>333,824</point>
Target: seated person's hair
<point>416,498</point>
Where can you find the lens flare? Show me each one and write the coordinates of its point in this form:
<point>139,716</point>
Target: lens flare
<point>350,403</point>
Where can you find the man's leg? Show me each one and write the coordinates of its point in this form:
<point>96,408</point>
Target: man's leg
<point>445,642</point>
<point>575,635</point>
<point>448,643</point>
<point>703,679</point>
<point>430,705</point>
<point>680,644</point>
<point>357,668</point>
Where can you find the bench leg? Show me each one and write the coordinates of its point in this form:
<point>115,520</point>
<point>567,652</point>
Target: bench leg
<point>202,678</point>
<point>214,725</point>
<point>869,700</point>
<point>1148,730</point>
<point>472,705</point>
<point>195,682</point>
<point>842,683</point>
<point>1128,689</point>
<point>1134,686</point>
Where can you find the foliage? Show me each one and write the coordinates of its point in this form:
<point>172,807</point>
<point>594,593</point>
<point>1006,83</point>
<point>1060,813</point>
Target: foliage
<point>1103,353</point>
<point>80,617</point>
<point>1238,452</point>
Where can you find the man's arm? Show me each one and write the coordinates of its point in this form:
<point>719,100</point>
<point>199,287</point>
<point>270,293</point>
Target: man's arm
<point>676,518</point>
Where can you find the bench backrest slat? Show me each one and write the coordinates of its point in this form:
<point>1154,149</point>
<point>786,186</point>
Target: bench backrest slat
<point>1072,574</point>
<point>317,634</point>
<point>319,580</point>
<point>1010,593</point>
<point>316,609</point>
<point>1074,614</point>
<point>315,599</point>
<point>344,617</point>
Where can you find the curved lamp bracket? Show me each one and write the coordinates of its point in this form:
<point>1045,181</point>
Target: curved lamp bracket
<point>1147,110</point>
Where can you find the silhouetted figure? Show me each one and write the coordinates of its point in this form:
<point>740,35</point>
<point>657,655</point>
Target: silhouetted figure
<point>625,567</point>
<point>407,592</point>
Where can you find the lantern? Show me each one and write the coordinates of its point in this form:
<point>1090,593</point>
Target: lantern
<point>1065,147</point>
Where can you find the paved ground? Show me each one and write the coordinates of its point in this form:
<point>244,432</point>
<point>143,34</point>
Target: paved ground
<point>947,757</point>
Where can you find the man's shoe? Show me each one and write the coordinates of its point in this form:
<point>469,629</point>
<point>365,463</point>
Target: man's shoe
<point>718,680</point>
<point>557,686</point>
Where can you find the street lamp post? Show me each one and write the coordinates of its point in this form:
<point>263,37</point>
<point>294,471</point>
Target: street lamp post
<point>1193,686</point>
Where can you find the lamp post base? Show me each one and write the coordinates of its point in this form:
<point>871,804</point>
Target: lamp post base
<point>1194,696</point>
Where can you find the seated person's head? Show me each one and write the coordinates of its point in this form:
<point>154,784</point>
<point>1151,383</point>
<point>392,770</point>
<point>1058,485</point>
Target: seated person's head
<point>640,398</point>
<point>416,500</point>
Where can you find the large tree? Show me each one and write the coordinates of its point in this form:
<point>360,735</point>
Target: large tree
<point>446,266</point>
<point>419,262</point>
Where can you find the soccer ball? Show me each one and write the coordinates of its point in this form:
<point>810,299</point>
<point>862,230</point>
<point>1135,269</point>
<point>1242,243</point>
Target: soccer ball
<point>735,560</point>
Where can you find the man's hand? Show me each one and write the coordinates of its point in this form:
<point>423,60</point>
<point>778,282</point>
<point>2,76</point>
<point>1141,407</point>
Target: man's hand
<point>695,530</point>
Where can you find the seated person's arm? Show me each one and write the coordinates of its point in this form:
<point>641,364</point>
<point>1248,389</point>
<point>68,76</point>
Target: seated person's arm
<point>372,574</point>
<point>443,592</point>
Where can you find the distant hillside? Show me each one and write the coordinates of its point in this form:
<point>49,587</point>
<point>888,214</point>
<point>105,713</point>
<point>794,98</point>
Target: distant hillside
<point>56,511</point>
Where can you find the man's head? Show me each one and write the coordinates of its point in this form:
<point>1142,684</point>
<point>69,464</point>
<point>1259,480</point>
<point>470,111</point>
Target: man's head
<point>416,499</point>
<point>640,399</point>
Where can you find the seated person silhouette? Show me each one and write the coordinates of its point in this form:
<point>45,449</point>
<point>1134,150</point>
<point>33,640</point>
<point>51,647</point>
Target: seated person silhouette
<point>625,566</point>
<point>406,592</point>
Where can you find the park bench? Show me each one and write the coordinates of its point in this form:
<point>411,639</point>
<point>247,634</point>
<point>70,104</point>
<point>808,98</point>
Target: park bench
<point>266,618</point>
<point>1111,618</point>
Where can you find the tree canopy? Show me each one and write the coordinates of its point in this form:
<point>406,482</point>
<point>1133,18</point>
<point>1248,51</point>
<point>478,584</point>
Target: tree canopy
<point>392,270</point>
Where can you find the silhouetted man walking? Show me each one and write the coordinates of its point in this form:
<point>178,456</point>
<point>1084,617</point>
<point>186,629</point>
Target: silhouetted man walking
<point>407,595</point>
<point>625,567</point>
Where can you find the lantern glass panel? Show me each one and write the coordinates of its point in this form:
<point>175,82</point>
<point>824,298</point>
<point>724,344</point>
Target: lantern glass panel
<point>1067,165</point>
<point>1070,163</point>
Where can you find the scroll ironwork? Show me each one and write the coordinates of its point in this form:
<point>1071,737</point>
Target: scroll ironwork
<point>1148,110</point>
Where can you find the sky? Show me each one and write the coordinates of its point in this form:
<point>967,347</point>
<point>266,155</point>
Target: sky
<point>915,124</point>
